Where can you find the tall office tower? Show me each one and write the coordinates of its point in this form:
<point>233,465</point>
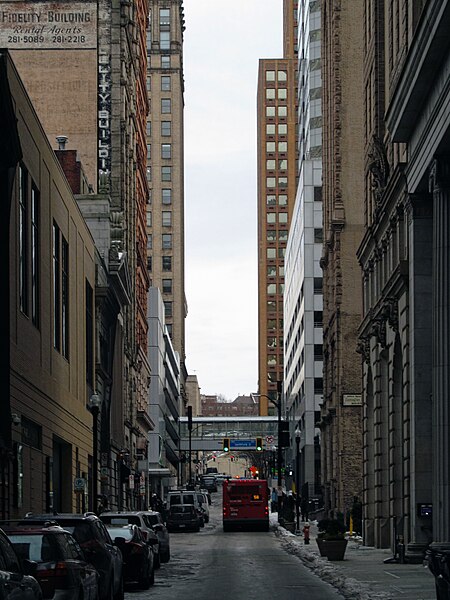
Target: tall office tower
<point>165,164</point>
<point>277,170</point>
<point>303,275</point>
<point>85,71</point>
<point>342,106</point>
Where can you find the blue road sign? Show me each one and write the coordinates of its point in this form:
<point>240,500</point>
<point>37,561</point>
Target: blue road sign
<point>236,444</point>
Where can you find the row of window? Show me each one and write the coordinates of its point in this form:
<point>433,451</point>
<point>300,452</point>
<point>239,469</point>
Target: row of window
<point>166,263</point>
<point>272,111</point>
<point>272,129</point>
<point>273,94</point>
<point>273,235</point>
<point>166,196</point>
<point>272,253</point>
<point>166,218</point>
<point>166,129</point>
<point>281,147</point>
<point>271,199</point>
<point>272,182</point>
<point>165,83</point>
<point>271,217</point>
<point>271,164</point>
<point>272,288</point>
<point>29,280</point>
<point>166,173</point>
<point>281,75</point>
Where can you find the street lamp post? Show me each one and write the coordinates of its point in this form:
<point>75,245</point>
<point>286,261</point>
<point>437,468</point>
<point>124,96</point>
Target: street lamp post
<point>297,478</point>
<point>94,407</point>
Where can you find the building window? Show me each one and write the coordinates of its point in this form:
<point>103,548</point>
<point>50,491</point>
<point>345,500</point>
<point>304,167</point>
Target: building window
<point>149,218</point>
<point>282,200</point>
<point>149,174</point>
<point>271,271</point>
<point>270,94</point>
<point>282,129</point>
<point>164,16</point>
<point>165,61</point>
<point>166,196</point>
<point>270,164</point>
<point>168,312</point>
<point>169,328</point>
<point>166,106</point>
<point>89,334</point>
<point>283,164</point>
<point>270,111</point>
<point>166,128</point>
<point>35,254</point>
<point>282,217</point>
<point>271,217</point>
<point>166,173</point>
<point>271,235</point>
<point>318,318</point>
<point>149,128</point>
<point>271,199</point>
<point>270,129</point>
<point>270,182</point>
<point>271,342</point>
<point>282,182</point>
<point>318,351</point>
<point>270,146</point>
<point>282,111</point>
<point>167,241</point>
<point>164,40</point>
<point>282,146</point>
<point>149,241</point>
<point>272,288</point>
<point>149,151</point>
<point>271,306</point>
<point>149,83</point>
<point>318,385</point>
<point>318,285</point>
<point>166,263</point>
<point>318,235</point>
<point>165,83</point>
<point>282,93</point>
<point>166,151</point>
<point>167,286</point>
<point>270,75</point>
<point>283,234</point>
<point>60,292</point>
<point>317,194</point>
<point>23,239</point>
<point>167,218</point>
<point>282,76</point>
<point>271,253</point>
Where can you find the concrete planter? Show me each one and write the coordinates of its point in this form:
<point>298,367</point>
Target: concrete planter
<point>332,549</point>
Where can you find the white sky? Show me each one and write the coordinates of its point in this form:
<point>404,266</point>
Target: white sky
<point>224,40</point>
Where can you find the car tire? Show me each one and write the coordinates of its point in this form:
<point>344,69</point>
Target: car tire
<point>157,561</point>
<point>120,595</point>
<point>146,581</point>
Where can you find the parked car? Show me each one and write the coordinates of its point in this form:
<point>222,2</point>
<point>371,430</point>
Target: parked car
<point>183,517</point>
<point>138,560</point>
<point>155,520</point>
<point>98,548</point>
<point>58,562</point>
<point>14,582</point>
<point>208,482</point>
<point>204,505</point>
<point>136,517</point>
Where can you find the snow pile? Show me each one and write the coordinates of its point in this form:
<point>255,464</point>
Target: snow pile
<point>350,588</point>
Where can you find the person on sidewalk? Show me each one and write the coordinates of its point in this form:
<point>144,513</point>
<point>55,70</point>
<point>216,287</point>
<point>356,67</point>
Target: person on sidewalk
<point>274,500</point>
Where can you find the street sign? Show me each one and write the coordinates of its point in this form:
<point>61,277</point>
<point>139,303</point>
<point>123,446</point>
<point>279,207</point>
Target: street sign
<point>236,444</point>
<point>79,484</point>
<point>270,439</point>
<point>131,482</point>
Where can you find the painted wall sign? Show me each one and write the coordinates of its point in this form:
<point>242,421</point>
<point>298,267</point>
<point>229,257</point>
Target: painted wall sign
<point>48,25</point>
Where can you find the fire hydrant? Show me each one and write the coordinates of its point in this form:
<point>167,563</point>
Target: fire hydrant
<point>306,532</point>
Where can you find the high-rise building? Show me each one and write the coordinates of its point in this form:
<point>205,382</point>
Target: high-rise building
<point>277,177</point>
<point>303,275</point>
<point>342,159</point>
<point>165,164</point>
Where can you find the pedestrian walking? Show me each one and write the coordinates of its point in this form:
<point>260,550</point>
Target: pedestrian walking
<point>274,500</point>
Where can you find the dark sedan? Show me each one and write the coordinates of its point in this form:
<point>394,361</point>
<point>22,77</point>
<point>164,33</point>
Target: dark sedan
<point>59,564</point>
<point>138,562</point>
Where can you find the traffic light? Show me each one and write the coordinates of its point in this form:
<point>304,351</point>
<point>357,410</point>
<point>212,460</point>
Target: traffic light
<point>259,444</point>
<point>226,444</point>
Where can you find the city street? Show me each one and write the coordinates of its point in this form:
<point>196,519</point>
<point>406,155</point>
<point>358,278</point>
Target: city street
<point>217,565</point>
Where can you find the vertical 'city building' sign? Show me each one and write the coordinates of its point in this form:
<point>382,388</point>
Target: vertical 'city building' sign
<point>104,115</point>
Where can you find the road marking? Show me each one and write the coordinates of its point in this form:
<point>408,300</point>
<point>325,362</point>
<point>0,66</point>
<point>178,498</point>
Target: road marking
<point>392,574</point>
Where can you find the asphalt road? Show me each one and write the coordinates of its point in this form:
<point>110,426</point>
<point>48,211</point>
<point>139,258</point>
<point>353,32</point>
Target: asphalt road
<point>213,565</point>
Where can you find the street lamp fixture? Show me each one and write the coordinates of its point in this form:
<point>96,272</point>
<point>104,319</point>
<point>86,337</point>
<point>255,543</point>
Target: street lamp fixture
<point>297,477</point>
<point>94,405</point>
<point>277,403</point>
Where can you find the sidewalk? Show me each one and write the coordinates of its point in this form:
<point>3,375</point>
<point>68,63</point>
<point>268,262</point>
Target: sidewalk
<point>362,575</point>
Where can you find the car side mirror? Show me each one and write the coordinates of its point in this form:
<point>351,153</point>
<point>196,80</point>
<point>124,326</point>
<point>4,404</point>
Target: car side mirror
<point>119,541</point>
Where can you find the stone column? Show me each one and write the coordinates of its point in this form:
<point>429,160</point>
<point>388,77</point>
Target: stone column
<point>440,187</point>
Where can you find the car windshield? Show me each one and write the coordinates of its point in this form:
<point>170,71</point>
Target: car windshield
<point>80,531</point>
<point>37,547</point>
<point>175,499</point>
<point>151,520</point>
<point>125,532</point>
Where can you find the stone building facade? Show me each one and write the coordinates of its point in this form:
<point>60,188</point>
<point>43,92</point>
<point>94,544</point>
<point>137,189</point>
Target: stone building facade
<point>342,192</point>
<point>404,337</point>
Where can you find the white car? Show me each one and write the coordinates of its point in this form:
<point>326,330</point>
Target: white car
<point>202,499</point>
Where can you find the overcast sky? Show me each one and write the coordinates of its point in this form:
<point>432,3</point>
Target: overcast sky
<point>224,40</point>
